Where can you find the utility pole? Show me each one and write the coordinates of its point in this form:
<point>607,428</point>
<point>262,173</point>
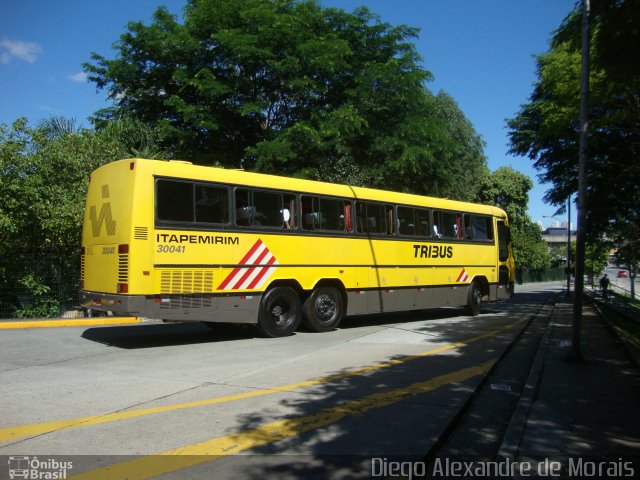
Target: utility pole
<point>569,245</point>
<point>576,352</point>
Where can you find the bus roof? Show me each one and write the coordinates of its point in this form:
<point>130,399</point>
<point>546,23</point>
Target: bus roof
<point>187,170</point>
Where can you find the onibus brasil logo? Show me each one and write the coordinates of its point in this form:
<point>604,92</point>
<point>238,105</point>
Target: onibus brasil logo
<point>38,469</point>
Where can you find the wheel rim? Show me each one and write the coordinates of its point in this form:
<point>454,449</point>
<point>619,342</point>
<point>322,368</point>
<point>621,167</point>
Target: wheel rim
<point>477,296</point>
<point>325,308</point>
<point>280,312</point>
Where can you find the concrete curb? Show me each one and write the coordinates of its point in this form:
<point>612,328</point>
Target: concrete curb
<point>85,322</point>
<point>517,423</point>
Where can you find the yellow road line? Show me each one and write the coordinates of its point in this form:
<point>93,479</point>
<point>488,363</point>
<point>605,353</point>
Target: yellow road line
<point>21,431</point>
<point>189,455</point>
<point>70,322</point>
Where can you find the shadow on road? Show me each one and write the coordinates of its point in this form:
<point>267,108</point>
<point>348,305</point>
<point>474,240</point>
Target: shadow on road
<point>165,335</point>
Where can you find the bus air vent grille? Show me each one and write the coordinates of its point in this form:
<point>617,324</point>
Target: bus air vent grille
<point>140,233</point>
<point>192,301</point>
<point>123,268</point>
<point>186,281</point>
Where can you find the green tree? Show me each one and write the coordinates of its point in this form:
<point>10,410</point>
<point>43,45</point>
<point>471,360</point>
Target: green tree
<point>293,88</point>
<point>44,175</point>
<point>529,250</point>
<point>546,129</point>
<point>461,154</point>
<point>596,257</point>
<point>509,189</point>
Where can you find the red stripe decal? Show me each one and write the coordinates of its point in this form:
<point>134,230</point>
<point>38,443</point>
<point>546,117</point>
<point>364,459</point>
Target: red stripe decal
<point>262,273</point>
<point>250,270</point>
<point>235,271</point>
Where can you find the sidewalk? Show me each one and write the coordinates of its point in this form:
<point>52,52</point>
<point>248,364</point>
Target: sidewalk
<point>578,409</point>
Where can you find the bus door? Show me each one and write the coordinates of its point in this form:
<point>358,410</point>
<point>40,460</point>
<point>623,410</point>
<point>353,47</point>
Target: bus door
<point>505,261</point>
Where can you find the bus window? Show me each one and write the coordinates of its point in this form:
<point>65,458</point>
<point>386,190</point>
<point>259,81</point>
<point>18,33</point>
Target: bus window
<point>189,202</point>
<point>289,212</point>
<point>174,201</point>
<point>212,204</point>
<point>374,218</point>
<point>319,213</point>
<point>268,208</point>
<point>413,222</point>
<point>258,208</point>
<point>406,221</point>
<point>422,222</point>
<point>447,225</point>
<point>478,227</point>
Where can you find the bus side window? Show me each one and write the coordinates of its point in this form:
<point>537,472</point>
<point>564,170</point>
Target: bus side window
<point>406,221</point>
<point>289,212</point>
<point>423,227</point>
<point>268,209</point>
<point>374,218</point>
<point>174,201</point>
<point>329,214</point>
<point>245,211</point>
<point>437,224</point>
<point>450,226</point>
<point>308,212</point>
<point>212,204</point>
<point>348,223</point>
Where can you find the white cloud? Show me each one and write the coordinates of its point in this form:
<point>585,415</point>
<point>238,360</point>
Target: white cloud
<point>80,77</point>
<point>18,50</point>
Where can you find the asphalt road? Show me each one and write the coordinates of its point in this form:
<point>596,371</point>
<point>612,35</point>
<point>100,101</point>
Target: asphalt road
<point>187,401</point>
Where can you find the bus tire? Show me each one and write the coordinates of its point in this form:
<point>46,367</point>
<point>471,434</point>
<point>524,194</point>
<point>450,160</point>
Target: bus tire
<point>474,299</point>
<point>280,312</point>
<point>323,310</point>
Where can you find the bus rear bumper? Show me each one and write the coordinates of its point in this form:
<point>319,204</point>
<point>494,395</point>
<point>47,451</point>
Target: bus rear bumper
<point>503,291</point>
<point>121,304</point>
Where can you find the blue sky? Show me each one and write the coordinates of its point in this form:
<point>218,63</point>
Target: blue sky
<point>481,52</point>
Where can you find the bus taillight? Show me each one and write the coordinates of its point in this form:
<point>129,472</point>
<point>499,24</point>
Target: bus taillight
<point>123,288</point>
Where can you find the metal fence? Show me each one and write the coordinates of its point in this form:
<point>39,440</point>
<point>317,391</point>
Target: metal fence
<point>525,275</point>
<point>39,286</point>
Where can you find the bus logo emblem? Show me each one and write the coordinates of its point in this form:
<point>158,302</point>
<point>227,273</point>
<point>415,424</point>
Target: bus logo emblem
<point>257,266</point>
<point>105,216</point>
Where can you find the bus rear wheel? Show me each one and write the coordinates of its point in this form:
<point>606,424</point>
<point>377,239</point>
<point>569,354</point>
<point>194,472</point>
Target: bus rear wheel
<point>280,312</point>
<point>474,299</point>
<point>323,310</point>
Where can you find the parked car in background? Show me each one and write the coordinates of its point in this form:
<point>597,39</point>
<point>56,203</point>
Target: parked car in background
<point>622,274</point>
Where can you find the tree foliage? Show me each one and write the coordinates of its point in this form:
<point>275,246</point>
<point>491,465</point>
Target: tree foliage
<point>44,175</point>
<point>293,88</point>
<point>546,129</point>
<point>509,189</point>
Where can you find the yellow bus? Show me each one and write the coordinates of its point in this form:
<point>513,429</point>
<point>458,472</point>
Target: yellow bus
<point>180,242</point>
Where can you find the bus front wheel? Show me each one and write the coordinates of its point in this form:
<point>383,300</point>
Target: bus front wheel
<point>280,312</point>
<point>474,299</point>
<point>323,310</point>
